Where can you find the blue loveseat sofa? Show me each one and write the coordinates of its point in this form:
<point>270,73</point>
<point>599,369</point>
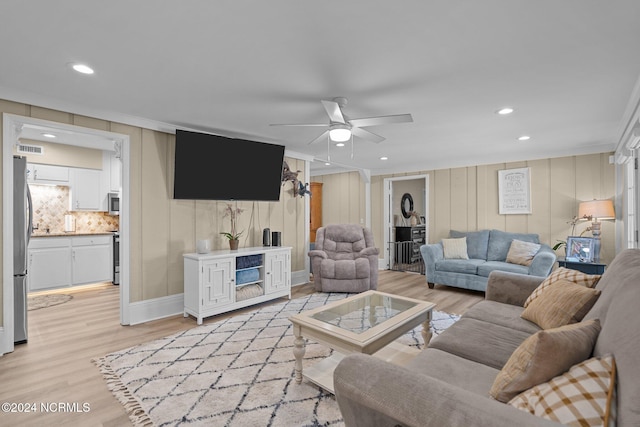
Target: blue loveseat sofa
<point>487,251</point>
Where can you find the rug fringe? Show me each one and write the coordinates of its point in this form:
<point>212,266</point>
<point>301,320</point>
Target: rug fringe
<point>137,415</point>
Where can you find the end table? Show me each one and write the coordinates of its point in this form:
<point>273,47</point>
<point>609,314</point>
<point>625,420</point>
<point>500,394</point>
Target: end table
<point>585,267</point>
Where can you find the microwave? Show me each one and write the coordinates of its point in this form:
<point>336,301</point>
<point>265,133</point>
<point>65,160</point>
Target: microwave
<point>114,204</point>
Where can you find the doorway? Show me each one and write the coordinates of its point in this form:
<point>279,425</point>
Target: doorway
<point>406,206</point>
<point>17,127</point>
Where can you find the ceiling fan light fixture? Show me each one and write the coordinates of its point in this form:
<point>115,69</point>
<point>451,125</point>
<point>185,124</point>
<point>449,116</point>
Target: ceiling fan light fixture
<point>340,133</point>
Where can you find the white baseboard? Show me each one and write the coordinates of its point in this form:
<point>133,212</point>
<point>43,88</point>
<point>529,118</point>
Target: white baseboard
<point>299,278</point>
<point>158,308</point>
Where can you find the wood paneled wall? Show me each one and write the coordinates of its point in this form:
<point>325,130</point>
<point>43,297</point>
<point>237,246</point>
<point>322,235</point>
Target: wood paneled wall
<point>343,198</point>
<point>466,199</point>
<point>162,229</point>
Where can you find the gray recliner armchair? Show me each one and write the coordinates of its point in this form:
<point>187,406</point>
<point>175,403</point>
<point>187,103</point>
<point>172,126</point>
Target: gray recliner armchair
<point>345,259</point>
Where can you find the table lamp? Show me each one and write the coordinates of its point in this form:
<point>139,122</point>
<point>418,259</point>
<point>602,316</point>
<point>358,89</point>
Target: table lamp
<point>592,211</point>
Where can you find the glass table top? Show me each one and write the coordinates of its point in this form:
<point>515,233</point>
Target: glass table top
<point>364,313</point>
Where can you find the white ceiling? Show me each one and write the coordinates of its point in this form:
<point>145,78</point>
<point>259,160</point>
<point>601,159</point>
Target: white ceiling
<point>568,67</point>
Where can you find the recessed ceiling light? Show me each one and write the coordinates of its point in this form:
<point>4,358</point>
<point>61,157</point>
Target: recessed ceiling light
<point>504,111</point>
<point>524,138</point>
<point>340,144</point>
<point>48,135</point>
<point>82,68</point>
<point>384,158</point>
<point>327,164</point>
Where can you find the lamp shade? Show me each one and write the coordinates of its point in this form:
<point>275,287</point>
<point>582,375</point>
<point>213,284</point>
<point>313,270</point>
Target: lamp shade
<point>601,209</point>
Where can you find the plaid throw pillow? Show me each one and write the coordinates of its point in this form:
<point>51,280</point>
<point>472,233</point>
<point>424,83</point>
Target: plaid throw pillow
<point>588,280</point>
<point>583,396</point>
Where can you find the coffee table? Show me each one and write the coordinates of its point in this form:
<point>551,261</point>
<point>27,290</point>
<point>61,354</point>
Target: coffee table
<point>365,323</point>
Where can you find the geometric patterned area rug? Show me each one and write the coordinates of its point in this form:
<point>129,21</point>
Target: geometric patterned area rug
<point>47,300</point>
<point>236,372</point>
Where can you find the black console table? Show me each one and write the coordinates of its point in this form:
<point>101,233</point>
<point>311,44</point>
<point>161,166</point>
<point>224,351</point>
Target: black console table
<point>585,267</point>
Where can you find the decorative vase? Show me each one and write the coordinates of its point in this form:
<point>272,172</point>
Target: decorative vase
<point>233,244</point>
<point>414,221</point>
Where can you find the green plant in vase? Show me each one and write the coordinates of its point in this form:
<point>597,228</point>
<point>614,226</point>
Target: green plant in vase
<point>234,236</point>
<point>563,243</point>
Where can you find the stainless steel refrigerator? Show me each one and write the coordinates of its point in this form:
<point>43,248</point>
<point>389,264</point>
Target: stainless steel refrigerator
<point>22,228</point>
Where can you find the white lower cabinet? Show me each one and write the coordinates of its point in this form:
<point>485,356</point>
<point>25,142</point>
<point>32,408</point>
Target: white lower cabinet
<point>91,259</point>
<point>225,280</point>
<point>58,262</point>
<point>47,260</point>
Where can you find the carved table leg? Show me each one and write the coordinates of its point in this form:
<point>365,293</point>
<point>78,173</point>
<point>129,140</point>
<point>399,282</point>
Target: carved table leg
<point>298,352</point>
<point>426,330</point>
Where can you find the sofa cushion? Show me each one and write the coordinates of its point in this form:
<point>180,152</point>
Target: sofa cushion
<point>562,303</point>
<point>455,370</point>
<point>522,253</point>
<point>501,314</point>
<point>477,242</point>
<point>500,242</point>
<point>543,356</point>
<point>583,396</point>
<point>486,268</point>
<point>455,248</point>
<point>468,266</point>
<point>470,339</point>
<point>562,273</point>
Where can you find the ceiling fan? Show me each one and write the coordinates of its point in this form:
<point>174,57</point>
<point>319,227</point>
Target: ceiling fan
<point>341,128</point>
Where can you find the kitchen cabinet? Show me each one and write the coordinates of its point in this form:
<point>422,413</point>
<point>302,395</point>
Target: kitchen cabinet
<point>91,258</point>
<point>111,178</point>
<point>47,174</point>
<point>226,280</point>
<point>59,262</point>
<point>49,261</point>
<point>85,190</point>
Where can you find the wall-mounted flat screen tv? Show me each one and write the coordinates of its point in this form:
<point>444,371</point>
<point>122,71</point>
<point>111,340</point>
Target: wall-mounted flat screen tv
<point>212,167</point>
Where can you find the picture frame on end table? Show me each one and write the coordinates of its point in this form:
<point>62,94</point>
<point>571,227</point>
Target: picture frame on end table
<point>580,249</point>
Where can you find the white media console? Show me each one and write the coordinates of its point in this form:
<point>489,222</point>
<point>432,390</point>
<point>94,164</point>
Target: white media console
<point>225,280</point>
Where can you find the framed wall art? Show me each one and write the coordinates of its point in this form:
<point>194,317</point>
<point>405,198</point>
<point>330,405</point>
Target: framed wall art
<point>514,191</point>
<point>580,249</point>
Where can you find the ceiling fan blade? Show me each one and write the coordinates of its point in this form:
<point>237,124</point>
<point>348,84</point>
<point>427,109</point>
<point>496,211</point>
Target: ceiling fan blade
<point>333,110</point>
<point>324,136</point>
<point>365,134</point>
<point>298,124</point>
<point>381,120</point>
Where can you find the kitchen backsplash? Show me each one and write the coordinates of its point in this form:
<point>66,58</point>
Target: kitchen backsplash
<point>51,204</point>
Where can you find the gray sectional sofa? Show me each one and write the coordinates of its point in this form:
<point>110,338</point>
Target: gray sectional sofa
<point>448,383</point>
<point>487,251</point>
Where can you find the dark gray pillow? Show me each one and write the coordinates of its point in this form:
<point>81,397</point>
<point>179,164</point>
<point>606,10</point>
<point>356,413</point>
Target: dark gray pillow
<point>500,242</point>
<point>477,242</point>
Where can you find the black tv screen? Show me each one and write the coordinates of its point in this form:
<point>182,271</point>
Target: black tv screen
<point>211,167</point>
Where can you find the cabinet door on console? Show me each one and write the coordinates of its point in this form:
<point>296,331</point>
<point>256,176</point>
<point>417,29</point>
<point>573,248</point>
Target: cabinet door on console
<point>277,268</point>
<point>218,285</point>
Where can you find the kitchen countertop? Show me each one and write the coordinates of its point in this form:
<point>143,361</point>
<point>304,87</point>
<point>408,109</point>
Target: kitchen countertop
<point>73,233</point>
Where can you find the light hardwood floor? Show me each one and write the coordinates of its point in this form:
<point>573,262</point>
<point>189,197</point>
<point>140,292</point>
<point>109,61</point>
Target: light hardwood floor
<point>55,366</point>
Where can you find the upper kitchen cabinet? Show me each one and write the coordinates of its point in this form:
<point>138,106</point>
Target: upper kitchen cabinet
<point>111,177</point>
<point>85,190</point>
<point>47,174</point>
